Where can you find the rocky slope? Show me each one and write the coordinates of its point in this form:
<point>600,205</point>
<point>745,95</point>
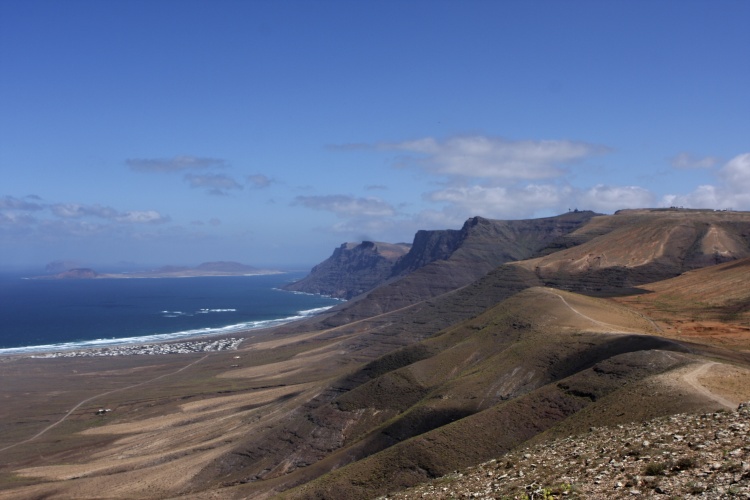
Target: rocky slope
<point>353,269</point>
<point>614,253</point>
<point>681,456</point>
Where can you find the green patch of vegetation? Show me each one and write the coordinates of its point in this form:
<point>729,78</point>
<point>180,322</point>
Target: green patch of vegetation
<point>685,463</point>
<point>655,468</point>
<point>731,467</point>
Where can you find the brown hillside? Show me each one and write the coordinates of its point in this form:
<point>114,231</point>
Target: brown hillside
<point>710,305</point>
<point>634,247</point>
<point>521,368</point>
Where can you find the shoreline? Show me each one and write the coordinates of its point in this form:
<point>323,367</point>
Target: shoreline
<point>149,345</point>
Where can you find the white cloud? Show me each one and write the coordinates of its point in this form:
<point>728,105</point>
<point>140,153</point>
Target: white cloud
<point>601,198</point>
<point>687,161</point>
<point>176,164</point>
<point>736,173</point>
<point>142,217</point>
<point>494,157</point>
<point>732,190</point>
<point>347,206</point>
<point>500,201</point>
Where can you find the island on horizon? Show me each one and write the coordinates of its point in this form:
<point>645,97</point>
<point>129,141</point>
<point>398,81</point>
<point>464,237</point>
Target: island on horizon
<point>218,268</point>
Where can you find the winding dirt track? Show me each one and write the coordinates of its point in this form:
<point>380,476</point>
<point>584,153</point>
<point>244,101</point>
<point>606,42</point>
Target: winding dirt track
<point>98,396</point>
<point>692,380</point>
<point>608,326</point>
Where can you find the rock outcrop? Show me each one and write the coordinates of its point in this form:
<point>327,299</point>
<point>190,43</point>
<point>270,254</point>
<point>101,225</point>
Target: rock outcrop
<point>353,269</point>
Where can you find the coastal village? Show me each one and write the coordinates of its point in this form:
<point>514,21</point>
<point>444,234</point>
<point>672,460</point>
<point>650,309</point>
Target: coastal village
<point>225,344</point>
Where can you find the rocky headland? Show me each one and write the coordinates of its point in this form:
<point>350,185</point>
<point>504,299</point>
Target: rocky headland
<point>352,269</point>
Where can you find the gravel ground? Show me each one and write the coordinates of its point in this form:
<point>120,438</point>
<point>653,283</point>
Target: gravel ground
<point>682,456</point>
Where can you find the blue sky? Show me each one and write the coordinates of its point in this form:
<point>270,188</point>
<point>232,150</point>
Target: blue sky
<point>178,131</point>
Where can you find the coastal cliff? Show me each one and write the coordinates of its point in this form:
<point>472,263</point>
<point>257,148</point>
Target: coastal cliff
<point>446,258</point>
<point>352,269</point>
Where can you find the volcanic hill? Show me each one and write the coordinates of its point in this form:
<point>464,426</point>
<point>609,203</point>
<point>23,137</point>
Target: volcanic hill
<point>463,355</point>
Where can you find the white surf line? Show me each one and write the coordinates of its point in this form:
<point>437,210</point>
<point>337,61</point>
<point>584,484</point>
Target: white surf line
<point>692,380</point>
<point>611,327</point>
<point>98,396</point>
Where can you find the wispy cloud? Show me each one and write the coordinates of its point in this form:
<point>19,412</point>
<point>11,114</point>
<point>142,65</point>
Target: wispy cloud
<point>175,164</point>
<point>688,161</point>
<point>348,206</point>
<point>78,211</point>
<point>13,203</point>
<point>259,181</point>
<point>216,184</point>
<point>56,221</point>
<point>16,220</point>
<point>487,157</point>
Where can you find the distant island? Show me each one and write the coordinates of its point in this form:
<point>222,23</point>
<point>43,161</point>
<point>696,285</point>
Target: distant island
<point>220,268</point>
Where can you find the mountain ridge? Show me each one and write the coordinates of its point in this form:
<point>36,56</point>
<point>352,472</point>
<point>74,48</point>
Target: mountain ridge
<point>391,389</point>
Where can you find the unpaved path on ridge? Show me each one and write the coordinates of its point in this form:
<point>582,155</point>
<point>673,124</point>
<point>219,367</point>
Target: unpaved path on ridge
<point>610,327</point>
<point>692,380</point>
<point>98,396</point>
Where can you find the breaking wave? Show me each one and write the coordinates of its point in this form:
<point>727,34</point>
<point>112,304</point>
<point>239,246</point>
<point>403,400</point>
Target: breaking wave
<point>164,337</point>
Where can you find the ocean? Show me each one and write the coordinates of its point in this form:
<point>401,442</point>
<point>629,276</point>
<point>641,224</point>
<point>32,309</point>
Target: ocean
<point>47,315</point>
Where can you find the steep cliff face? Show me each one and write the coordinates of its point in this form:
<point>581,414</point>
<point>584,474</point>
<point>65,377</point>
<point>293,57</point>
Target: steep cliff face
<point>352,269</point>
<point>446,259</point>
<point>429,246</point>
<point>441,261</point>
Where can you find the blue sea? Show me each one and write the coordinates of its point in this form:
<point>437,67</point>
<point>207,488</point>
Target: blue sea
<point>45,315</point>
